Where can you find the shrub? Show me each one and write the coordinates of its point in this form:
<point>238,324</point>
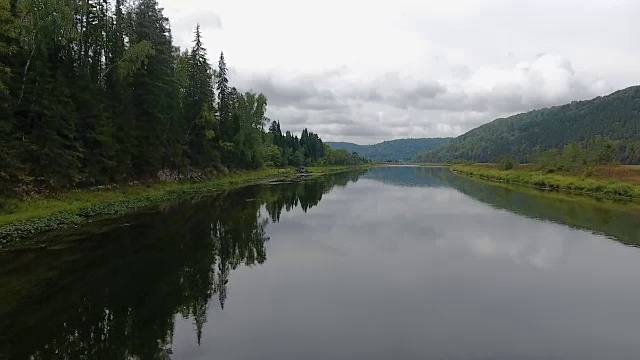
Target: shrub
<point>507,163</point>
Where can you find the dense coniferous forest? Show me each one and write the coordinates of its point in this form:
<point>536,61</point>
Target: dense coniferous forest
<point>95,92</point>
<point>614,119</point>
<point>392,150</point>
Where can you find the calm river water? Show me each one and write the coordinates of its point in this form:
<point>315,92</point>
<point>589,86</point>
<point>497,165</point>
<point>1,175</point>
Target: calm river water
<point>394,263</point>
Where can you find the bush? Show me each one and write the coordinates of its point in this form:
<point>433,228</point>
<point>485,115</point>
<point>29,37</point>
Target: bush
<point>507,163</point>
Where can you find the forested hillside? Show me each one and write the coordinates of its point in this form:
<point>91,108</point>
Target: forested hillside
<point>401,149</point>
<point>95,92</point>
<point>615,117</point>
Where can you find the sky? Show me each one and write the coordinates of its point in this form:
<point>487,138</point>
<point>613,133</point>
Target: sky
<point>369,71</point>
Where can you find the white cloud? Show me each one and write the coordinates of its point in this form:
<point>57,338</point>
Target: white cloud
<point>415,68</point>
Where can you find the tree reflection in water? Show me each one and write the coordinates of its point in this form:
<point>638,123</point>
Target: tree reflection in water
<point>115,293</point>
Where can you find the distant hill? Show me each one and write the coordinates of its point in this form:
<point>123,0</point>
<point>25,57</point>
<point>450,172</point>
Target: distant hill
<point>616,116</point>
<point>401,149</point>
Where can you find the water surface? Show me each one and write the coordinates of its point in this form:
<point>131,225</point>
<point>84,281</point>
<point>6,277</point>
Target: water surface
<point>397,263</point>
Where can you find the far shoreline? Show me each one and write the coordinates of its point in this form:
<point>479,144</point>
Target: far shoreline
<point>607,182</point>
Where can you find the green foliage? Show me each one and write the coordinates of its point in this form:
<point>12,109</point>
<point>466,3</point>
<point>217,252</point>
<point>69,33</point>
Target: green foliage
<point>308,150</point>
<point>272,155</point>
<point>94,92</point>
<point>507,163</point>
<point>613,117</point>
<point>575,156</point>
<point>392,150</point>
<point>343,157</point>
<point>224,100</point>
<point>134,57</point>
<point>17,231</point>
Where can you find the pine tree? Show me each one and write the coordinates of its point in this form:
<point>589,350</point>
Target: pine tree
<point>94,129</point>
<point>224,106</point>
<point>154,94</point>
<point>199,110</point>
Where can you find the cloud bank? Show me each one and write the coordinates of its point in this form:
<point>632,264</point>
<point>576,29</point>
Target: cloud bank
<point>415,68</point>
<point>344,106</point>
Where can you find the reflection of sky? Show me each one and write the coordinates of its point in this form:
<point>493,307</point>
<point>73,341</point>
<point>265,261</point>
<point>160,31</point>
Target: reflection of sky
<point>405,176</point>
<point>378,271</point>
<point>432,222</point>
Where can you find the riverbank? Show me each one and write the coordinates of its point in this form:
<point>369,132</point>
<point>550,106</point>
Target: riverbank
<point>594,183</point>
<point>38,215</point>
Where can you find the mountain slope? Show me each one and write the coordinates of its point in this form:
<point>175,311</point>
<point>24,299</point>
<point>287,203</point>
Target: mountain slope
<point>350,147</point>
<point>616,116</point>
<point>401,149</point>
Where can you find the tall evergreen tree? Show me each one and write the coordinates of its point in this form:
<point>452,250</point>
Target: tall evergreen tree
<point>224,106</point>
<point>199,102</point>
<point>155,92</point>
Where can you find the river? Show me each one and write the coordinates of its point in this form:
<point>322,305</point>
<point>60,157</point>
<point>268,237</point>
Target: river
<point>393,263</point>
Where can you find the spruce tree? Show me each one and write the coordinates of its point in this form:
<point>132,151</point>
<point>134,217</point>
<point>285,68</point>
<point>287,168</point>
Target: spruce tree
<point>224,113</point>
<point>154,89</point>
<point>199,101</point>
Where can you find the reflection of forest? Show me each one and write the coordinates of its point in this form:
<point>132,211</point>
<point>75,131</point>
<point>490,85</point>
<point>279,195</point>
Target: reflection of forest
<point>615,220</point>
<point>115,294</point>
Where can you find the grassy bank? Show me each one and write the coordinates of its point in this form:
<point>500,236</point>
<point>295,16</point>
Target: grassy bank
<point>38,215</point>
<point>592,183</point>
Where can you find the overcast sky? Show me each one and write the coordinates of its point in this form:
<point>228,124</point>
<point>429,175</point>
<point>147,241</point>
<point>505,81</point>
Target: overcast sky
<point>367,71</point>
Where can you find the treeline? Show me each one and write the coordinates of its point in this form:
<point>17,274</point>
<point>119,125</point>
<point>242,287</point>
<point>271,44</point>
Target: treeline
<point>573,156</point>
<point>392,150</point>
<point>289,150</point>
<point>599,151</point>
<point>95,92</point>
<point>615,117</point>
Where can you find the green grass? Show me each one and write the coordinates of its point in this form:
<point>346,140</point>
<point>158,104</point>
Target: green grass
<point>610,188</point>
<point>35,207</point>
<point>38,215</point>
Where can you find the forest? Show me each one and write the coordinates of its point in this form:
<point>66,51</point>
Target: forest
<point>392,150</point>
<point>95,92</point>
<point>614,119</point>
<point>571,158</point>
